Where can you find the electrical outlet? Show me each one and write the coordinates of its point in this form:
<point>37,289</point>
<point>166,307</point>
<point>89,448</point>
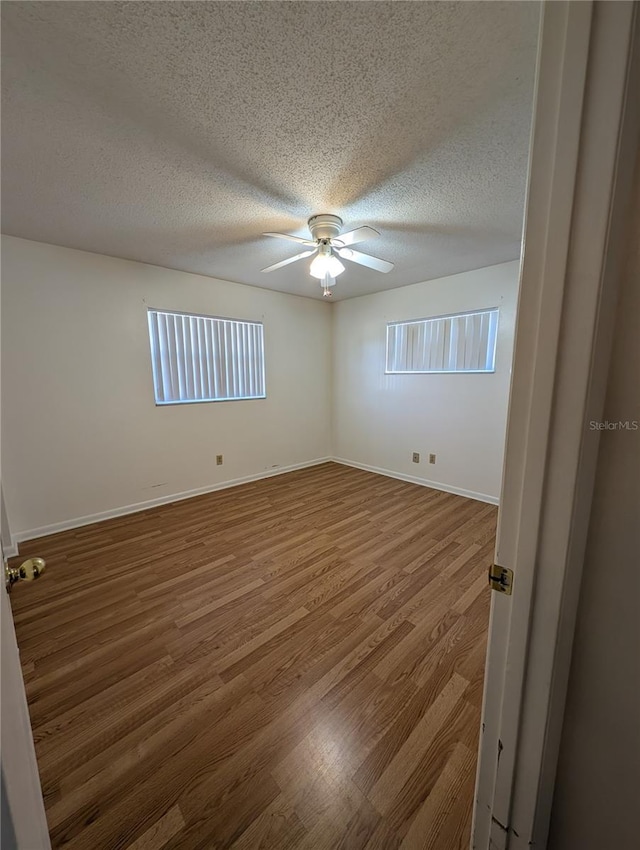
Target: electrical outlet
<point>432,458</point>
<point>218,460</point>
<point>416,457</point>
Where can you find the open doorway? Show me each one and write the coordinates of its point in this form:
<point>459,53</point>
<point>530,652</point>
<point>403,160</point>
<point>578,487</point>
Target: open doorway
<point>321,543</point>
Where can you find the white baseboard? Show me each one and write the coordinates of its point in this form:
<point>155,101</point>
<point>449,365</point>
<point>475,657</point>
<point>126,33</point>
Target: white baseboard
<point>10,551</point>
<point>67,525</point>
<point>412,479</point>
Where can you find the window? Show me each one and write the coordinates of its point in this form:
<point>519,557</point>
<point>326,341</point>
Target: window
<point>200,358</point>
<point>464,342</point>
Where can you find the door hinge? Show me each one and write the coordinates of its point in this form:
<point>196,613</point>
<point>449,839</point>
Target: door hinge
<point>501,579</point>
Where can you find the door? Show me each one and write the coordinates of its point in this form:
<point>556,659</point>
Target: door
<point>24,824</point>
<point>584,141</point>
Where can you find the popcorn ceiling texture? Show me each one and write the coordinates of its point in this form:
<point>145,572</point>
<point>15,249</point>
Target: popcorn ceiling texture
<point>175,133</point>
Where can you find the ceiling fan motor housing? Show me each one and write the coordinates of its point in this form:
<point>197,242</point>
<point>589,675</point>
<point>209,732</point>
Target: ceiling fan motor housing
<point>325,226</point>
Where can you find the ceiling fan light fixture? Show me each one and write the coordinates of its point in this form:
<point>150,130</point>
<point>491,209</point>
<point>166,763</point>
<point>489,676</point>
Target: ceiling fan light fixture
<point>326,264</point>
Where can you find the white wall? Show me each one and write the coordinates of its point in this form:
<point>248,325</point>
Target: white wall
<point>380,420</point>
<point>81,432</point>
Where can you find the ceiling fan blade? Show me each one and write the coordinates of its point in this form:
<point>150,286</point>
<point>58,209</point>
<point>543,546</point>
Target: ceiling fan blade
<point>291,238</point>
<point>287,261</point>
<point>357,235</point>
<point>365,260</point>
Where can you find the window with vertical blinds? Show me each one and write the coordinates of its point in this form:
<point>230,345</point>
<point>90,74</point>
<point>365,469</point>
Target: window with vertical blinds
<point>201,358</point>
<point>464,342</point>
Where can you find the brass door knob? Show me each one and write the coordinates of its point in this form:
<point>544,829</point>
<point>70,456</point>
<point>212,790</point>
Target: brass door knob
<point>27,571</point>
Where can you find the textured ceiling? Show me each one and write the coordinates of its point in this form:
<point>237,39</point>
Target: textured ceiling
<point>175,133</point>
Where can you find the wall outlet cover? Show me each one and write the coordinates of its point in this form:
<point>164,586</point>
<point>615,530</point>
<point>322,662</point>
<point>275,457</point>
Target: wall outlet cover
<point>416,457</point>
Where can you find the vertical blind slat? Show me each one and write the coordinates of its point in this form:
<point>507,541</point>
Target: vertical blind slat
<point>428,348</point>
<point>190,366</point>
<point>459,357</point>
<point>491,341</point>
<point>394,348</point>
<point>475,342</point>
<point>468,342</point>
<point>252,377</point>
<point>220,361</point>
<point>200,358</point>
<point>228,353</point>
<point>211,369</point>
<point>172,360</point>
<point>228,356</point>
<point>195,358</point>
<point>187,357</point>
<point>232,388</point>
<point>156,355</point>
<point>244,360</point>
<point>235,335</point>
<point>249,361</point>
<point>453,345</point>
<point>258,342</point>
<point>179,347</point>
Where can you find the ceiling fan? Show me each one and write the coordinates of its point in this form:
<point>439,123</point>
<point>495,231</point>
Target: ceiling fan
<point>329,243</point>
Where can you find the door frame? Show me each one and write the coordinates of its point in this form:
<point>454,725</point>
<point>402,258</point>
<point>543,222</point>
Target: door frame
<point>584,145</point>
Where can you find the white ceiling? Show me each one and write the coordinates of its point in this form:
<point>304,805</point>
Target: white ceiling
<point>175,133</point>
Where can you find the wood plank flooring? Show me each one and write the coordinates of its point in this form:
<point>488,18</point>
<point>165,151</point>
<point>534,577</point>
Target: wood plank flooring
<point>293,663</point>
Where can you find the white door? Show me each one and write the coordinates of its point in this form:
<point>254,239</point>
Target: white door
<point>584,142</point>
<point>24,824</point>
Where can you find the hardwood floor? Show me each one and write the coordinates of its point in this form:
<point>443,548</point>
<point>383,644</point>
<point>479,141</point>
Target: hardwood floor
<point>293,663</point>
